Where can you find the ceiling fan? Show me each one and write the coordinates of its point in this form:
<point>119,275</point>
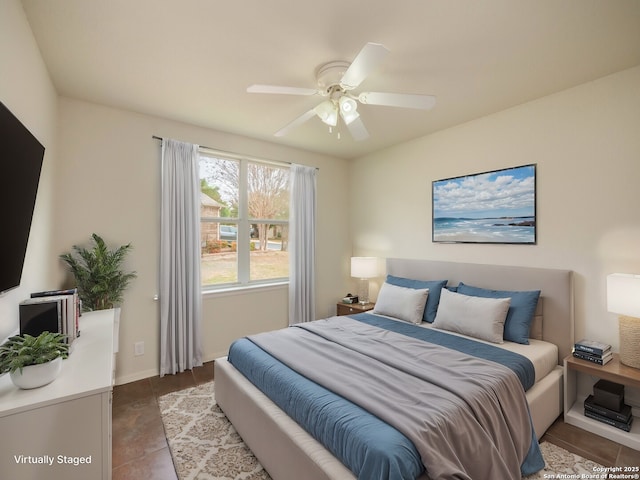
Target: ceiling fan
<point>336,81</point>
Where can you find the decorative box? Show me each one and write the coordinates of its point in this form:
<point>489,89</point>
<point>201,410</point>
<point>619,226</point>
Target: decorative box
<point>609,395</point>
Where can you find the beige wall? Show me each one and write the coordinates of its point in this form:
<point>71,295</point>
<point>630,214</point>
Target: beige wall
<point>586,144</point>
<point>101,174</point>
<point>108,182</point>
<point>25,88</point>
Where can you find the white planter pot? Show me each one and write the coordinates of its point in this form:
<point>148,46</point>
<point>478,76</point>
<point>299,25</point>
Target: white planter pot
<point>35,376</point>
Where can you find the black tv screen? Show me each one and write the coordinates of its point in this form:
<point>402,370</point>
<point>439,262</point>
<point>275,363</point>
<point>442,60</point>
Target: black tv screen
<point>21,157</point>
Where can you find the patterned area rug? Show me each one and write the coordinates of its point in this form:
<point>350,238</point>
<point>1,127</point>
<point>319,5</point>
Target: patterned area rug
<point>203,443</point>
<point>205,446</point>
<point>563,464</point>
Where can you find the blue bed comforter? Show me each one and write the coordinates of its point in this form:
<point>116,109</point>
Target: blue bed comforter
<point>368,446</point>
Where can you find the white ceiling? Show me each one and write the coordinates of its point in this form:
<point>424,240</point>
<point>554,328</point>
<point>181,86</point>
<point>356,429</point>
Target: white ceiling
<point>192,60</point>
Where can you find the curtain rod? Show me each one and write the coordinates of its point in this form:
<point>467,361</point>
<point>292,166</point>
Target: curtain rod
<point>155,137</point>
<point>234,155</point>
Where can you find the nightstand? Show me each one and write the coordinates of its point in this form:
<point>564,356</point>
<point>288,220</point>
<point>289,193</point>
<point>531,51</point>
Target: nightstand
<point>353,308</point>
<point>613,371</point>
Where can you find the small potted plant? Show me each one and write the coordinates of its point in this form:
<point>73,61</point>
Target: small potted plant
<point>98,273</point>
<point>33,361</point>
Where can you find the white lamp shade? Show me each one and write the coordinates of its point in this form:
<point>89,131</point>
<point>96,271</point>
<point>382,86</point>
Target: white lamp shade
<point>347,104</point>
<point>364,267</point>
<point>623,294</point>
<point>328,112</point>
<point>350,116</point>
<point>348,109</point>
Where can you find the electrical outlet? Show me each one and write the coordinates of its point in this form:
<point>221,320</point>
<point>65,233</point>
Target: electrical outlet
<point>138,348</point>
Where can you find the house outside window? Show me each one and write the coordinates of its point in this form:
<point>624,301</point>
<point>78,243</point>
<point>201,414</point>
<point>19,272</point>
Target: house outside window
<point>244,214</point>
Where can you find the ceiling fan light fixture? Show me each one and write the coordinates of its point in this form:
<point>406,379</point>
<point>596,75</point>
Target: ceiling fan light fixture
<point>327,111</point>
<point>347,104</point>
<point>349,116</point>
<point>348,109</point>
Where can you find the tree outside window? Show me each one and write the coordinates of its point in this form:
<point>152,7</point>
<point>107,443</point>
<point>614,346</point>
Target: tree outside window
<point>244,221</point>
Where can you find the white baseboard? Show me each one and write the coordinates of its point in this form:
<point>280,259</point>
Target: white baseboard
<point>212,356</point>
<point>134,377</point>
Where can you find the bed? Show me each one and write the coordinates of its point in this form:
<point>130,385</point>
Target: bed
<point>285,449</point>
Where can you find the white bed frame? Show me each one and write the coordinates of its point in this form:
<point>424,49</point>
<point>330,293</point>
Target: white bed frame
<point>287,452</point>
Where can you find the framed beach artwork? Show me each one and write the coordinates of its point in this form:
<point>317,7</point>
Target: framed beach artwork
<point>490,207</point>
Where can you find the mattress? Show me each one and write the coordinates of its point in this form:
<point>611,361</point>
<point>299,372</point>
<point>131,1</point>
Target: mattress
<point>543,355</point>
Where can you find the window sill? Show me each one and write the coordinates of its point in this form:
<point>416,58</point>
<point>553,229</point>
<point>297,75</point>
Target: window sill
<point>244,289</point>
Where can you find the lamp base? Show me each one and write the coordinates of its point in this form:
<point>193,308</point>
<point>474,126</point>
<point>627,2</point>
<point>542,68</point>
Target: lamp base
<point>363,291</point>
<point>629,341</point>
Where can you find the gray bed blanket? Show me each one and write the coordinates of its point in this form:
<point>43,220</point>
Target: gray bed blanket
<point>467,417</point>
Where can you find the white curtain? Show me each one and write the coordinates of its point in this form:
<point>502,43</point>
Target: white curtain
<point>180,296</point>
<point>302,244</point>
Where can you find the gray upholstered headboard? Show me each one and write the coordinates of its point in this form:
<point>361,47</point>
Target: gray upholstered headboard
<point>556,289</point>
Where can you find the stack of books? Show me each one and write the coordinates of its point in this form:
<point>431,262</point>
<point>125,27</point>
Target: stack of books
<point>53,311</point>
<point>596,352</point>
<point>622,419</point>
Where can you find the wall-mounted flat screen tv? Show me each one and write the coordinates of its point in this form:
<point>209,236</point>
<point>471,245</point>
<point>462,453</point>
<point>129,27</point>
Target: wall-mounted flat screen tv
<point>21,156</point>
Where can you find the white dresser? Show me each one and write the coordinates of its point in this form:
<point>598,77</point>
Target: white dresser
<point>62,431</point>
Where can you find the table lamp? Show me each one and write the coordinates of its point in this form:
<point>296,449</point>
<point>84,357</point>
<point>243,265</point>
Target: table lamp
<point>623,298</point>
<point>364,268</point>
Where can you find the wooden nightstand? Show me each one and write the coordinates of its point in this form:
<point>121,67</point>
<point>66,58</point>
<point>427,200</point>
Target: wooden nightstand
<point>353,308</point>
<point>613,371</point>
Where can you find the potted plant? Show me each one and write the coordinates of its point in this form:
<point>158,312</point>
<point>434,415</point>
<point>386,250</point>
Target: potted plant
<point>33,361</point>
<point>98,273</point>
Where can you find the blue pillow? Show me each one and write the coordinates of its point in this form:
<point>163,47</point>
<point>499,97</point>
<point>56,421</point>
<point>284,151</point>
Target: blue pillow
<point>521,310</point>
<point>433,299</point>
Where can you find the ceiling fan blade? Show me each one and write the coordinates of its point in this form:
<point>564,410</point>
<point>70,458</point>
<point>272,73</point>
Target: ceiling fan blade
<point>364,63</point>
<point>404,100</point>
<point>357,129</point>
<point>282,90</point>
<point>295,123</point>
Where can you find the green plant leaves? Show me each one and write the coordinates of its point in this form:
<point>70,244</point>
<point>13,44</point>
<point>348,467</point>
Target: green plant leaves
<point>21,351</point>
<point>100,280</point>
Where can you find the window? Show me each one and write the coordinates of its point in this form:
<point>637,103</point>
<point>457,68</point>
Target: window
<point>244,215</point>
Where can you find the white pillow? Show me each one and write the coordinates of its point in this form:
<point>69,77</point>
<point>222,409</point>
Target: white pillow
<point>477,317</point>
<point>400,302</point>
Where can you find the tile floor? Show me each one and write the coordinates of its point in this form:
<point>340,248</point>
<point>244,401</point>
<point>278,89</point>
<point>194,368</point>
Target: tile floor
<point>140,448</point>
